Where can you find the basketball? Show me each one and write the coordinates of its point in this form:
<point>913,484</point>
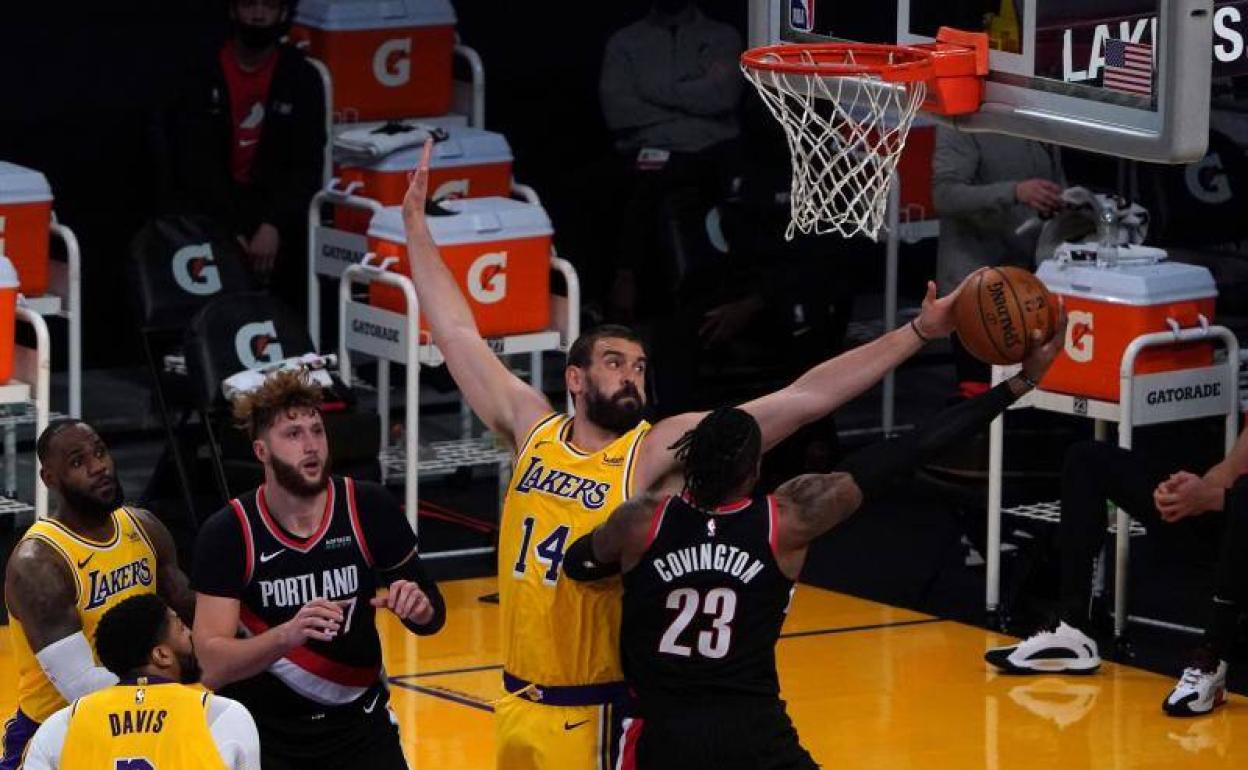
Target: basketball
<point>997,311</point>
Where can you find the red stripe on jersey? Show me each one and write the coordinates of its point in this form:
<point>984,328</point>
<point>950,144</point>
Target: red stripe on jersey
<point>247,544</point>
<point>356,527</point>
<point>628,744</point>
<point>319,665</point>
<point>306,544</point>
<point>656,519</point>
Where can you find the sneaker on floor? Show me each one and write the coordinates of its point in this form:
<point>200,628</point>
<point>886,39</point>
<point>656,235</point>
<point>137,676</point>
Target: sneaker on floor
<point>1064,649</point>
<point>1201,689</point>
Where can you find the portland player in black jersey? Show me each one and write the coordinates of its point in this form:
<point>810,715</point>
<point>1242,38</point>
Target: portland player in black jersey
<point>708,576</point>
<point>287,579</point>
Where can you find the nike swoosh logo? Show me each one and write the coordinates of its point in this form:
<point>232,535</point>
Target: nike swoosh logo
<point>247,142</point>
<point>265,558</point>
<point>369,708</point>
<point>574,725</point>
<point>83,563</point>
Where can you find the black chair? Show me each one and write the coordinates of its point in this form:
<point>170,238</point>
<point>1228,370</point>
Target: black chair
<point>249,331</point>
<point>177,265</point>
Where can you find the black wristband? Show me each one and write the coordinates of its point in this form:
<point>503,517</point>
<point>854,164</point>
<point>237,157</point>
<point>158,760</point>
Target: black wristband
<point>580,565</point>
<point>1027,380</point>
<point>914,324</point>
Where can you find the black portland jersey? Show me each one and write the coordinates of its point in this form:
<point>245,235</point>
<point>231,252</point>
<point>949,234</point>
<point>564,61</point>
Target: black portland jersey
<point>279,573</point>
<point>704,605</point>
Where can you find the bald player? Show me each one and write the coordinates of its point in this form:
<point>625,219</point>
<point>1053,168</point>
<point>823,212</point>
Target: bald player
<point>71,568</point>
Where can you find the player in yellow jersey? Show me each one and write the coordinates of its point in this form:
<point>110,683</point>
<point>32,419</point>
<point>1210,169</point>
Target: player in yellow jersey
<point>151,719</point>
<point>69,569</point>
<point>561,639</point>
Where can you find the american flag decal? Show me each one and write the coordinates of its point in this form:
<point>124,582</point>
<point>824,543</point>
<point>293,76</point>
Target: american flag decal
<point>1128,67</point>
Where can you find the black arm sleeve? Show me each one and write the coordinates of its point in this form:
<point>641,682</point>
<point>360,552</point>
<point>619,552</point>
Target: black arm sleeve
<point>390,540</point>
<point>874,467</point>
<point>580,565</point>
<point>220,556</point>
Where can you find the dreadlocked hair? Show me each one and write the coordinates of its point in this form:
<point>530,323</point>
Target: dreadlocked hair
<point>718,454</point>
<point>282,392</point>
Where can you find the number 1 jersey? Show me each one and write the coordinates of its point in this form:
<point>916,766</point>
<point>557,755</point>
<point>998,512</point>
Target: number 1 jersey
<point>704,605</point>
<point>559,632</point>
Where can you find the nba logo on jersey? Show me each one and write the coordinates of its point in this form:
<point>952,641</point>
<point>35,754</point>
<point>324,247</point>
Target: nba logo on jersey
<point>802,15</point>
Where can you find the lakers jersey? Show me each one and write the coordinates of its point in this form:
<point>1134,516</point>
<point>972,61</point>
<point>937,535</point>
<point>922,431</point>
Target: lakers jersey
<point>559,632</point>
<point>163,724</point>
<point>104,575</point>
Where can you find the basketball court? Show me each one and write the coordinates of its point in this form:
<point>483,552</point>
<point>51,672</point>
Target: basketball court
<point>869,686</point>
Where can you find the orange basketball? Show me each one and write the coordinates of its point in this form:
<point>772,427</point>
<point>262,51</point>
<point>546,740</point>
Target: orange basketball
<point>997,311</point>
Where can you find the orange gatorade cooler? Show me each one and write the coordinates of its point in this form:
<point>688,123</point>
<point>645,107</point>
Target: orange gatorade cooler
<point>25,219</point>
<point>468,163</point>
<point>1107,306</point>
<point>387,59</point>
<point>8,317</point>
<point>498,249</point>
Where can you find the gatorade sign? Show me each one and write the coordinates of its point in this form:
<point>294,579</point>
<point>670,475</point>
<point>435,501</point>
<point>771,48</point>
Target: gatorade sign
<point>195,270</point>
<point>257,345</point>
<point>1079,340</point>
<point>487,278</point>
<point>392,64</point>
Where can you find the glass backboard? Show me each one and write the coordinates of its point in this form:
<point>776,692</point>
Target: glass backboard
<point>1129,78</point>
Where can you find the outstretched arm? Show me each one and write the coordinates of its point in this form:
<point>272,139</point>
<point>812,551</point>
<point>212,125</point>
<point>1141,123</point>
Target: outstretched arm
<point>504,402</point>
<point>615,545</point>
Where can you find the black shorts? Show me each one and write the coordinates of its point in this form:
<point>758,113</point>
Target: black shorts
<point>741,735</point>
<point>364,736</point>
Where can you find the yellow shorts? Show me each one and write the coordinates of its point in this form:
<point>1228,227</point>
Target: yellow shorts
<point>533,736</point>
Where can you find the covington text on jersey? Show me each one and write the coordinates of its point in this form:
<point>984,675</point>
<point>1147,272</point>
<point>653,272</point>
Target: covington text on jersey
<point>708,556</point>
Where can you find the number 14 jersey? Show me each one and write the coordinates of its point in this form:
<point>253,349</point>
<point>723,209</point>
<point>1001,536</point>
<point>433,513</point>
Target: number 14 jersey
<point>704,605</point>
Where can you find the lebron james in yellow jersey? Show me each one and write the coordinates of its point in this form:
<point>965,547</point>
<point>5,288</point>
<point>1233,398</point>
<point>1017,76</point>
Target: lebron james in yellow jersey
<point>561,645</point>
<point>151,719</point>
<point>69,569</point>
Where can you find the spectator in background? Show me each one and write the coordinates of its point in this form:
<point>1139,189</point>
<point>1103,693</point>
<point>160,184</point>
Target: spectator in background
<point>670,89</point>
<point>244,142</point>
<point>984,187</point>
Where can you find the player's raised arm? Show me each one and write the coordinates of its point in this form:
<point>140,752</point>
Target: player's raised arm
<point>504,402</point>
<point>614,545</point>
<point>42,595</point>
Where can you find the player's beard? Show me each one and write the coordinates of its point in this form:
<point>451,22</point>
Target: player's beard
<point>618,413</point>
<point>290,478</point>
<point>93,506</point>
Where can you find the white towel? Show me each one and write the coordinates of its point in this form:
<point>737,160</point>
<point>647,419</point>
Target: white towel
<point>370,144</point>
<point>315,364</point>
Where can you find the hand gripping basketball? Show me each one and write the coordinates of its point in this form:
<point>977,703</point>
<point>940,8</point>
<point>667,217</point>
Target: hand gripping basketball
<point>997,311</point>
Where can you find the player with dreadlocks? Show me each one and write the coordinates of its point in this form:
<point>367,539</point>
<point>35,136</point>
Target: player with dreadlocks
<point>708,576</point>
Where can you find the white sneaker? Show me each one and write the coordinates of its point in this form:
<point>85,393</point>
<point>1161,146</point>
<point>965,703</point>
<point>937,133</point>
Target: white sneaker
<point>1199,691</point>
<point>1065,649</point>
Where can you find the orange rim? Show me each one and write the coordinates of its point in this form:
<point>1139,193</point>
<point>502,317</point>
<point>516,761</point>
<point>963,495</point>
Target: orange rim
<point>893,63</point>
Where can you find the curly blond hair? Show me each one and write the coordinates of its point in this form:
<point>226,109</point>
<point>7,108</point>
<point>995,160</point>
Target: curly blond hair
<point>282,392</point>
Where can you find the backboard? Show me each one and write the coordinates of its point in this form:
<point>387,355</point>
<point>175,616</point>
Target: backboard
<point>1129,78</point>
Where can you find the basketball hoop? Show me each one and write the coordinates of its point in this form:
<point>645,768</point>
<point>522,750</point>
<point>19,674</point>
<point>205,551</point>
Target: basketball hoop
<point>846,109</point>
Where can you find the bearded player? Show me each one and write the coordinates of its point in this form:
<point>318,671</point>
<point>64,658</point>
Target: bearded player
<point>561,664</point>
<point>71,568</point>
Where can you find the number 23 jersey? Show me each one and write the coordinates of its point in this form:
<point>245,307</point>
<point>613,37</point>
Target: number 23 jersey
<point>559,632</point>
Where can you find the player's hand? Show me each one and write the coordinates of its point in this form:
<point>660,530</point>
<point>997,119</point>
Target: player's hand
<point>406,601</point>
<point>262,248</point>
<point>936,318</point>
<point>1043,196</point>
<point>319,619</point>
<point>417,194</point>
<point>1044,352</point>
<point>1186,494</point>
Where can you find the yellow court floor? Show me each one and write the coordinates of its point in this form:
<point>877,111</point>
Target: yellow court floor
<point>869,686</point>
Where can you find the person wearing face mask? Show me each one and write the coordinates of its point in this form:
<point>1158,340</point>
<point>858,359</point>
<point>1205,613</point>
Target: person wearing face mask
<point>243,142</point>
<point>69,569</point>
<point>151,718</point>
<point>670,90</point>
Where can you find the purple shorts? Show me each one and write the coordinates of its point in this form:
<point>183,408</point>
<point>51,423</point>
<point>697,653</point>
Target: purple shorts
<point>17,733</point>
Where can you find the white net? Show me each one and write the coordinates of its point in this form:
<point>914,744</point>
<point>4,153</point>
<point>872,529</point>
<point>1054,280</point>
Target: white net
<point>845,136</point>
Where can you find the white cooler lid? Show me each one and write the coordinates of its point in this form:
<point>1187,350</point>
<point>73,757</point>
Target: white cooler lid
<point>19,184</point>
<point>475,220</point>
<point>1130,284</point>
<point>353,15</point>
<point>464,146</point>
